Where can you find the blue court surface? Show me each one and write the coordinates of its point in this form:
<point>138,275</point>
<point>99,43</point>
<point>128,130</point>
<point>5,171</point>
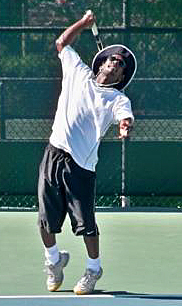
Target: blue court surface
<point>92,300</point>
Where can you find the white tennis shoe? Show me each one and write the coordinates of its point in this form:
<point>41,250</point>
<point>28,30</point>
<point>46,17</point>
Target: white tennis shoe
<point>55,272</point>
<point>87,283</point>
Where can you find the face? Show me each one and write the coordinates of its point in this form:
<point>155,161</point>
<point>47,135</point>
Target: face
<point>113,68</point>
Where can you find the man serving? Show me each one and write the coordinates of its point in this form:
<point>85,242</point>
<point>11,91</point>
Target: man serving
<point>90,101</point>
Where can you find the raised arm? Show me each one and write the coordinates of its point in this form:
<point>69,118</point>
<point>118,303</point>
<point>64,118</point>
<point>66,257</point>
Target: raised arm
<point>69,35</point>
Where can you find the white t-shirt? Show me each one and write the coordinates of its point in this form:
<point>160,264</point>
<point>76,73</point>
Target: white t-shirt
<point>85,111</point>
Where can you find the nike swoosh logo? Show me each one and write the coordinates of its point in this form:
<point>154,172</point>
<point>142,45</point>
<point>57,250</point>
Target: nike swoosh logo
<point>89,233</point>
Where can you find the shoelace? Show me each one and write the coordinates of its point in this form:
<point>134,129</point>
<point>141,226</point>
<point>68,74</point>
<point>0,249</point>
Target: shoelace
<point>87,277</point>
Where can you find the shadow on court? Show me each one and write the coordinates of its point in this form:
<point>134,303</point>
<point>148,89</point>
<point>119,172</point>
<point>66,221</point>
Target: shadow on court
<point>134,295</point>
<point>126,294</point>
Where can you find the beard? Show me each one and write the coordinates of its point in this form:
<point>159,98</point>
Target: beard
<point>110,74</point>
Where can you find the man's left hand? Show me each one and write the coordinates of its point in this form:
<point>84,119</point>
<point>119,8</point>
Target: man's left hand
<point>125,127</point>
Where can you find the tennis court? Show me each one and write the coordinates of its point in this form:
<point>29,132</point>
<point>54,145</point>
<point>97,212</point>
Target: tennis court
<point>91,301</point>
<point>140,251</point>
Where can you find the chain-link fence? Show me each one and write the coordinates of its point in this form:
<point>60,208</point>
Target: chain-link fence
<point>30,83</point>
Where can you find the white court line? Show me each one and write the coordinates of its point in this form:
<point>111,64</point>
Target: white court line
<point>143,296</point>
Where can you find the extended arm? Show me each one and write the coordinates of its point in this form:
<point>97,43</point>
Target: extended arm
<point>69,35</point>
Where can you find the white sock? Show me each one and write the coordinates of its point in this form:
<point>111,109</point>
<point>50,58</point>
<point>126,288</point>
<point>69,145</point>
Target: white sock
<point>93,264</point>
<point>52,254</point>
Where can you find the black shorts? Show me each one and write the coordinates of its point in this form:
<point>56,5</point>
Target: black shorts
<point>64,187</point>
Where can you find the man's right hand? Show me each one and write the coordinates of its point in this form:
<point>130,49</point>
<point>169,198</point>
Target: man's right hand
<point>88,18</point>
<point>69,35</point>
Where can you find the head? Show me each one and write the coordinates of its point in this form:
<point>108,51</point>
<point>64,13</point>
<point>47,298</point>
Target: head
<point>117,63</point>
<point>111,70</point>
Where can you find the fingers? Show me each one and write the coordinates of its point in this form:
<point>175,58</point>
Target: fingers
<point>89,14</point>
<point>124,128</point>
<point>88,18</point>
<point>123,134</point>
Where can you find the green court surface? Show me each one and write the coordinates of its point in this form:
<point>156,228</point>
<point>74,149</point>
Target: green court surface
<point>141,256</point>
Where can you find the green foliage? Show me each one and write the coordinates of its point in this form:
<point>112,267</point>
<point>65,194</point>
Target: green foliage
<point>158,55</point>
<point>156,13</point>
<point>32,65</point>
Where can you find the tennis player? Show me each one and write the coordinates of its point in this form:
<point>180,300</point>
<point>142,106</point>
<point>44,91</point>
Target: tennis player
<point>90,101</point>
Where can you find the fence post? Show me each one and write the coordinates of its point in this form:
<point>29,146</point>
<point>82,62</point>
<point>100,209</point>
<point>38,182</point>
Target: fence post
<point>125,201</point>
<point>3,129</point>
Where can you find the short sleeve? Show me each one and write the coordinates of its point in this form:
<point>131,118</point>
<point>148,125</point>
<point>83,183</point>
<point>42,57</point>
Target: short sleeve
<point>122,109</point>
<point>70,60</point>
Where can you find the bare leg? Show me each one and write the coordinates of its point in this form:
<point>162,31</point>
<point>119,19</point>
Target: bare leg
<point>92,245</point>
<point>49,240</point>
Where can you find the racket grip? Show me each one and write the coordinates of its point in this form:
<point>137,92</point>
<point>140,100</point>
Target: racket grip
<point>95,30</point>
